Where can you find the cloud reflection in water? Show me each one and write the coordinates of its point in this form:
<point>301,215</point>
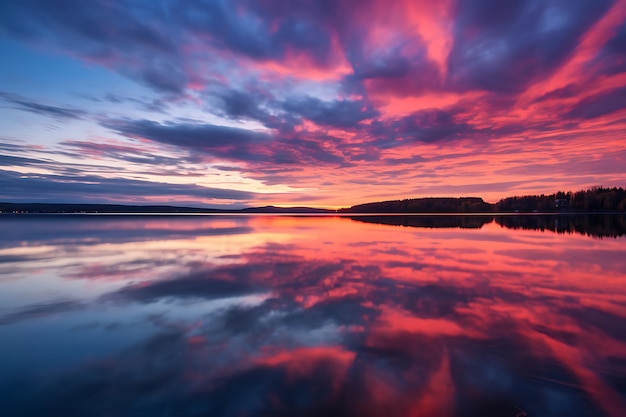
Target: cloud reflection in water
<point>312,316</point>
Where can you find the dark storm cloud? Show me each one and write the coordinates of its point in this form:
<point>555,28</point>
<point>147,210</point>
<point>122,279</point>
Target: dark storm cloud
<point>91,188</point>
<point>503,46</point>
<point>32,106</point>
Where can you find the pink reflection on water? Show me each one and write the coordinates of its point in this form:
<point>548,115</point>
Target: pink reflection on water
<point>370,319</point>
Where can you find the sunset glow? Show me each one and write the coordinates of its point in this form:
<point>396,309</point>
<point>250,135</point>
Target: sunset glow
<point>319,103</point>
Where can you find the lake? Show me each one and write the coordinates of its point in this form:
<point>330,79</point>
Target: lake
<point>312,316</point>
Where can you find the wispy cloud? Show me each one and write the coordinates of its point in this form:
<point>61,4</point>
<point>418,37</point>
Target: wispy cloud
<point>32,106</point>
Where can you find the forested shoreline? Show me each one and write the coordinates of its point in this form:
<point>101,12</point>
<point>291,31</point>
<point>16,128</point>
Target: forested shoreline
<point>596,199</point>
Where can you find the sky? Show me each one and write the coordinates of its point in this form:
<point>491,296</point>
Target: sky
<point>323,103</point>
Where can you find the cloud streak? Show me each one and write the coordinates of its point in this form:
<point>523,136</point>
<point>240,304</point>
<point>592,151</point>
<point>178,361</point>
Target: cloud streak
<point>83,188</point>
<point>347,89</point>
<point>32,106</point>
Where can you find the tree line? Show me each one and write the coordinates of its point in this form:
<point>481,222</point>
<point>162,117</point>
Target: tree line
<point>596,199</point>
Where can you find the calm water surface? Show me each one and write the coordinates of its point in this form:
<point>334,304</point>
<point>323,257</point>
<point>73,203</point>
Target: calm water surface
<point>312,316</point>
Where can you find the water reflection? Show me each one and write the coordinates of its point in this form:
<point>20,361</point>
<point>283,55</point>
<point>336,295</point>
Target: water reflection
<point>308,316</point>
<point>596,225</point>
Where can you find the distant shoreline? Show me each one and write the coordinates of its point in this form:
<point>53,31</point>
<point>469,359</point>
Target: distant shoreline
<point>594,200</point>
